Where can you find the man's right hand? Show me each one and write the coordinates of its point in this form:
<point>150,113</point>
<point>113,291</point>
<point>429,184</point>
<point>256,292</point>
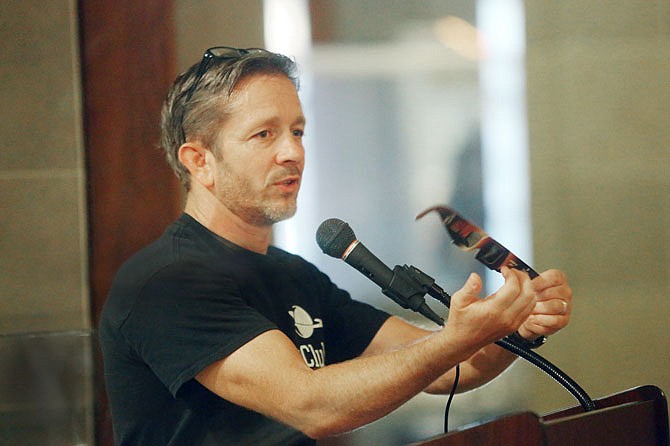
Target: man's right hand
<point>481,321</point>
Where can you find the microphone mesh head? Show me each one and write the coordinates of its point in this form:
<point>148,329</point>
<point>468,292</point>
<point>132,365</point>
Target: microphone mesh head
<point>334,237</point>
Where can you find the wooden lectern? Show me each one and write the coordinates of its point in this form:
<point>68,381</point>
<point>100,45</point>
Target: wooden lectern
<point>636,417</point>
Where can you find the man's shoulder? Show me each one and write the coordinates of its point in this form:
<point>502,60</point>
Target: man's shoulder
<point>176,253</point>
<point>285,257</point>
<point>155,256</point>
<point>182,242</point>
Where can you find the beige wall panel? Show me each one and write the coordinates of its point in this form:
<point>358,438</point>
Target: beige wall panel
<point>597,19</point>
<point>39,121</point>
<point>598,96</point>
<point>41,267</point>
<point>207,23</point>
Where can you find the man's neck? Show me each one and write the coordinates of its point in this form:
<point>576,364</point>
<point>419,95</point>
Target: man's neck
<point>221,221</point>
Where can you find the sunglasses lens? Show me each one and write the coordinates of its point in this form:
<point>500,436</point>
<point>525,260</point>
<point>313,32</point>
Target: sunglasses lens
<point>224,52</point>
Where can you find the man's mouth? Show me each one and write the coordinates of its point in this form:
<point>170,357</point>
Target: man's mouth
<point>290,182</point>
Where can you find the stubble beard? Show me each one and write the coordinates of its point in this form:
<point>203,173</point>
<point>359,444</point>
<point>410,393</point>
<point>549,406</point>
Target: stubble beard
<point>254,207</point>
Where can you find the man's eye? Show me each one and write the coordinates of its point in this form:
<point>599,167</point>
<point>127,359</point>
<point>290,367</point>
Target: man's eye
<point>263,134</point>
<point>298,133</point>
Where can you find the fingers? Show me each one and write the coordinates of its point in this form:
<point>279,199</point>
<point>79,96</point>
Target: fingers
<point>549,279</point>
<point>545,324</point>
<point>554,304</point>
<point>473,285</point>
<point>517,293</point>
<point>548,318</point>
<point>468,293</point>
<point>552,307</point>
<point>553,293</point>
<point>480,321</point>
<point>513,303</point>
<point>561,292</point>
<point>540,306</point>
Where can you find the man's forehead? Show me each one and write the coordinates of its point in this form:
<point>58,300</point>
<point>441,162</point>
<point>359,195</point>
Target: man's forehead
<point>260,80</point>
<point>264,98</point>
<point>264,89</point>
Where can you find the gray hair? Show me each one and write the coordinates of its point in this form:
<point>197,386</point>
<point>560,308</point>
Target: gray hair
<point>200,116</point>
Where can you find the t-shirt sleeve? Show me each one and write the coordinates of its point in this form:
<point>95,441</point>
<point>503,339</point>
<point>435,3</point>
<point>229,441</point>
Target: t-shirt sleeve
<point>180,324</point>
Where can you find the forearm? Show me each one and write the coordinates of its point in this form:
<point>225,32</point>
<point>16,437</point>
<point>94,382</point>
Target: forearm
<point>402,380</point>
<point>343,397</point>
<point>480,368</point>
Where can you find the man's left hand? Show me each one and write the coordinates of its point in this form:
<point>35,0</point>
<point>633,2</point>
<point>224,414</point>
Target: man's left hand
<point>553,307</point>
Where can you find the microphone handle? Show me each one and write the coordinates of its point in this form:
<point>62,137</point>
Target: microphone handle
<point>396,284</point>
<point>358,256</point>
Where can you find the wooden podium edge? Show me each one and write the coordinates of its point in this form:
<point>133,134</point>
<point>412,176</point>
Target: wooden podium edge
<point>640,413</point>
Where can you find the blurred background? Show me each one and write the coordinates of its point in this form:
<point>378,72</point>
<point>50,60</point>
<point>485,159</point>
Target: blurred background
<point>544,122</point>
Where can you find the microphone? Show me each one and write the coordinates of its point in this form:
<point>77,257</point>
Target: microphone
<point>336,239</point>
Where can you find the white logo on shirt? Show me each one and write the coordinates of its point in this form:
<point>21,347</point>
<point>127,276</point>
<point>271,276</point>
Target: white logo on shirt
<point>304,325</point>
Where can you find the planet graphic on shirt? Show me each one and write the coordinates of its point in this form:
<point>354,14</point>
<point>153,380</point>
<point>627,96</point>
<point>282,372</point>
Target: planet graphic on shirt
<point>304,324</point>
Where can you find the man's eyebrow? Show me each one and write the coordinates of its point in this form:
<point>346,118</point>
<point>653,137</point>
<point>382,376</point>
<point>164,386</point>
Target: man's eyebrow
<point>276,120</point>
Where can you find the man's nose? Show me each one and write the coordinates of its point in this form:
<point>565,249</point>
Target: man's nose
<point>291,150</point>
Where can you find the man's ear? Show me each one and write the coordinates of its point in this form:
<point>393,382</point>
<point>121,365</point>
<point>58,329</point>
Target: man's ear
<point>197,159</point>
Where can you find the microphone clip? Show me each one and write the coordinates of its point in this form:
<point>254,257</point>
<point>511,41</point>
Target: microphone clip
<point>409,285</point>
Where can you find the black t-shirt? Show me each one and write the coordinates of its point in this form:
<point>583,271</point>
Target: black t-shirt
<point>192,298</point>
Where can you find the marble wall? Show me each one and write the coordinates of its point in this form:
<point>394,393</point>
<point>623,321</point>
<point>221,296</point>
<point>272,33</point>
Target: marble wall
<point>43,270</point>
<point>45,339</point>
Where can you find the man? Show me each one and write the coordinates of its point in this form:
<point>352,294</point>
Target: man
<point>212,336</point>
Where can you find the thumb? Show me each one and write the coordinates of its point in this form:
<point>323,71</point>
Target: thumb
<point>469,292</point>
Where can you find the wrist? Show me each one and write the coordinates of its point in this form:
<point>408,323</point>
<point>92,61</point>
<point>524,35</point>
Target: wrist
<point>527,334</point>
<point>531,342</point>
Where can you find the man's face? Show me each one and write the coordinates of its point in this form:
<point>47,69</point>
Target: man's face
<point>259,152</point>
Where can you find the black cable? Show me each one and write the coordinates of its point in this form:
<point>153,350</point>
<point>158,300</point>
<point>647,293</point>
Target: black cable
<point>457,372</point>
<point>550,369</point>
<point>451,397</point>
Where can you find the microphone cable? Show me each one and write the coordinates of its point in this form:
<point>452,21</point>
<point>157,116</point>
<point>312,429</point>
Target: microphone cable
<point>451,397</point>
<point>457,376</point>
<point>550,369</point>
